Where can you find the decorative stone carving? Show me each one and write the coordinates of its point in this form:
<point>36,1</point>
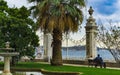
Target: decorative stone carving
<point>91,29</point>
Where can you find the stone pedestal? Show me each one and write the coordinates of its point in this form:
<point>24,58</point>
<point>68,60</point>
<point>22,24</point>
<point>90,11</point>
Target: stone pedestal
<point>91,30</point>
<point>6,70</point>
<point>7,56</point>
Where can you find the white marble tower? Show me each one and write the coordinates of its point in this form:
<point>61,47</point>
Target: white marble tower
<point>91,32</point>
<point>47,46</point>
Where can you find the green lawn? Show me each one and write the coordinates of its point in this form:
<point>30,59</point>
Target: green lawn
<point>84,70</point>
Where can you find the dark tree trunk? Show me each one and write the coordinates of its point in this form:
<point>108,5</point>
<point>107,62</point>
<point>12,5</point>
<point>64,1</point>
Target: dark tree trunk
<point>56,44</point>
<point>14,58</point>
<point>13,61</point>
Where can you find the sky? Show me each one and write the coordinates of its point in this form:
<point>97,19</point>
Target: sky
<point>104,10</point>
<point>107,9</point>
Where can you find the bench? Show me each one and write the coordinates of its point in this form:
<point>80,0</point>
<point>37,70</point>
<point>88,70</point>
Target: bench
<point>91,62</point>
<point>96,63</point>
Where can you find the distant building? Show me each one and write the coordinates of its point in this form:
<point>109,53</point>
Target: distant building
<point>39,52</point>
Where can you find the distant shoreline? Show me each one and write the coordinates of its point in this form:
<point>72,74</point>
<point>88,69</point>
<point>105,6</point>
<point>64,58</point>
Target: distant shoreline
<point>80,48</point>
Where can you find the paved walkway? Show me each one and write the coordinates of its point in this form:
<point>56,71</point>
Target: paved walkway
<point>87,66</point>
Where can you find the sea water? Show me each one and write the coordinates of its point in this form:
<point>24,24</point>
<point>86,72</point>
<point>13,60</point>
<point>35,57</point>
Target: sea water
<point>81,54</point>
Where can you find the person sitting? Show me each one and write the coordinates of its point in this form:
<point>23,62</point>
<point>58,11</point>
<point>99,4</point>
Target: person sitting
<point>90,61</point>
<point>99,61</point>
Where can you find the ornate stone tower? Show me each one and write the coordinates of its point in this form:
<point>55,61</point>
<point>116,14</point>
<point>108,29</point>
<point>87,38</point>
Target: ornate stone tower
<point>91,30</point>
<point>47,46</point>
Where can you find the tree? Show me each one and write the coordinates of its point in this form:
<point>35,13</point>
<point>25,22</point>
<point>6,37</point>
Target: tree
<point>3,7</point>
<point>17,28</point>
<point>110,36</point>
<point>57,17</point>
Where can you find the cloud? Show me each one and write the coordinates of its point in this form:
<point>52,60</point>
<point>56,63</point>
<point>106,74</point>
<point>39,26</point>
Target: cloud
<point>18,3</point>
<point>105,10</point>
<point>104,7</point>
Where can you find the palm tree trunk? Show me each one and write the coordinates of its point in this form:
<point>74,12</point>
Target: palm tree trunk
<point>56,44</point>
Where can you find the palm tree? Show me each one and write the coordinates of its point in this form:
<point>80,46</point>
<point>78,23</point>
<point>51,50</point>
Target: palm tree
<point>58,16</point>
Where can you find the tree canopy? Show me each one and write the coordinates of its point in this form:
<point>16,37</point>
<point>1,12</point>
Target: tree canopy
<point>18,28</point>
<point>65,15</point>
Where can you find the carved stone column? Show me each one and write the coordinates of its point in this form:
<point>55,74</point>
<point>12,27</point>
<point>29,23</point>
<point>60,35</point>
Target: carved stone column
<point>47,46</point>
<point>91,30</point>
<point>6,70</point>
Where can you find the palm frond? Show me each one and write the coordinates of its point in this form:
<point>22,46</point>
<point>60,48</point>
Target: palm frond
<point>51,23</point>
<point>42,22</point>
<point>61,23</point>
<point>64,15</point>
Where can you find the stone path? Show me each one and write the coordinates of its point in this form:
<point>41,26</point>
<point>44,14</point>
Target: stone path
<point>87,66</point>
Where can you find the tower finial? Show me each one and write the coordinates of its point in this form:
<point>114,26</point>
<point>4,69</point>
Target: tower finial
<point>91,11</point>
<point>7,44</point>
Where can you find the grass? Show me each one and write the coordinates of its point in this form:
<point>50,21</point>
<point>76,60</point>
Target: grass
<point>65,68</point>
